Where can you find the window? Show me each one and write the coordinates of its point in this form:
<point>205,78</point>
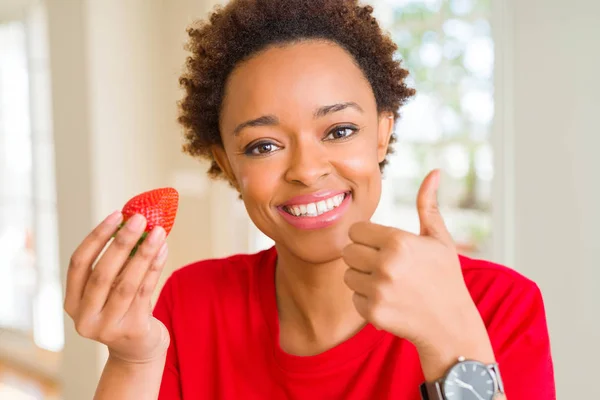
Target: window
<point>447,47</point>
<point>30,290</point>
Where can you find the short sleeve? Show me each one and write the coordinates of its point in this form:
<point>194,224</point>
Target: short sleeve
<point>519,335</point>
<point>170,388</point>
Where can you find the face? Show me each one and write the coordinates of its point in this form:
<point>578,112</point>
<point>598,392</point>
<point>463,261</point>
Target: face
<point>302,142</point>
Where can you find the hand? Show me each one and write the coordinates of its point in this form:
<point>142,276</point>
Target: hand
<point>412,285</point>
<point>111,303</point>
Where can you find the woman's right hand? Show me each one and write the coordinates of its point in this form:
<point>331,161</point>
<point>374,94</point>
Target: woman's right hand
<point>111,302</point>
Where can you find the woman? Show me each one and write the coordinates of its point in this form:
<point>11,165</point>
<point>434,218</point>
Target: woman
<point>294,103</point>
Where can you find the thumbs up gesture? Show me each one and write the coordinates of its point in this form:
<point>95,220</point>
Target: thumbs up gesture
<point>412,285</point>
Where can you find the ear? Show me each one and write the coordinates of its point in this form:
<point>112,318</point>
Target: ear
<point>384,133</point>
<point>220,156</point>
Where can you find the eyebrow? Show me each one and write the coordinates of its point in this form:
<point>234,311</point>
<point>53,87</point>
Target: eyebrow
<point>271,120</point>
<point>323,111</point>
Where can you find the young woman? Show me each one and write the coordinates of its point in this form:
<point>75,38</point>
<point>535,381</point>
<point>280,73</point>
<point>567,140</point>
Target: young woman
<point>294,103</point>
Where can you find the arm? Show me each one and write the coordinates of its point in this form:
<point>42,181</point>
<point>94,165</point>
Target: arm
<point>122,380</point>
<point>134,379</point>
<point>518,335</point>
<point>473,343</point>
<point>110,303</point>
<point>413,287</point>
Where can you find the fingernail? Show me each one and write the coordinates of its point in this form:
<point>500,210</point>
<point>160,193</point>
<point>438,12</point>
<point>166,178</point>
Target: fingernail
<point>136,222</point>
<point>162,254</point>
<point>157,235</point>
<point>114,218</point>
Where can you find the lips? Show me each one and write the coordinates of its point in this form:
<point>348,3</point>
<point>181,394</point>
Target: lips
<point>316,210</point>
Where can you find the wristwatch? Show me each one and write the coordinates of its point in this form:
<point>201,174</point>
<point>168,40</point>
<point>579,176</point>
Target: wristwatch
<point>466,380</point>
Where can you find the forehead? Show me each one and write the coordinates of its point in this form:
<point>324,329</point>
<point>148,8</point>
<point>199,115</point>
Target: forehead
<point>295,78</point>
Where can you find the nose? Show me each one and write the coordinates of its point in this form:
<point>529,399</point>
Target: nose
<point>308,163</point>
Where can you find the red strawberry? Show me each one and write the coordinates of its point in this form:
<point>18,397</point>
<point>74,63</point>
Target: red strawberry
<point>158,206</point>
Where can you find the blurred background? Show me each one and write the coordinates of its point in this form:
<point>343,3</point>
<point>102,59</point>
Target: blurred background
<point>508,104</point>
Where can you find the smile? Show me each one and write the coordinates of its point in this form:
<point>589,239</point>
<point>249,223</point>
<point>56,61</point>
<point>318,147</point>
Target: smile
<point>317,208</point>
<point>316,211</point>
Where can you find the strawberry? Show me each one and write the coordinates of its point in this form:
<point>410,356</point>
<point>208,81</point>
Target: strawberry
<point>158,206</point>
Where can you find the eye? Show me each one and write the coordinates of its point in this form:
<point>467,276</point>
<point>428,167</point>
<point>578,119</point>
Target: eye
<point>341,132</point>
<point>261,149</point>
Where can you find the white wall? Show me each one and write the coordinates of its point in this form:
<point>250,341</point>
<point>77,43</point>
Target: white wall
<point>555,107</point>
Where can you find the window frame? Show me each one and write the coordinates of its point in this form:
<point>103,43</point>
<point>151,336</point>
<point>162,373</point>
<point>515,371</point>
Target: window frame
<point>18,347</point>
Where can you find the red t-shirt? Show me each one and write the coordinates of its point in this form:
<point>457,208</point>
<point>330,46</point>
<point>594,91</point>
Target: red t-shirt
<point>222,316</point>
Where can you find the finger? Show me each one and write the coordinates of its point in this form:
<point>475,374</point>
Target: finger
<point>83,258</point>
<point>141,304</point>
<point>378,237</point>
<point>430,218</point>
<point>126,288</point>
<point>359,282</point>
<point>361,303</point>
<point>370,234</point>
<point>101,279</point>
<point>360,257</point>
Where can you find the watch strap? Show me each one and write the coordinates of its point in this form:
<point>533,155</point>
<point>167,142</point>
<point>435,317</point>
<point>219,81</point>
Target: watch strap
<point>496,371</point>
<point>431,391</point>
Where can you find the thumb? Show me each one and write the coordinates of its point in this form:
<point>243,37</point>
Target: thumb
<point>430,219</point>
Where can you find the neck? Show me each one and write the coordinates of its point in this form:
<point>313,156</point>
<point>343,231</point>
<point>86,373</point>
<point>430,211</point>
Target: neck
<point>315,306</point>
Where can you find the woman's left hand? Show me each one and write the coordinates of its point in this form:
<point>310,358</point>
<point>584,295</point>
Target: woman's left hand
<point>412,286</point>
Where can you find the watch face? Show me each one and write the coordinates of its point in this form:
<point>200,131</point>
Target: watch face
<point>469,380</point>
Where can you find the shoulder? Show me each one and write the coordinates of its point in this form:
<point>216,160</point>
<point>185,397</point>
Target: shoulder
<point>220,283</point>
<point>220,274</point>
<point>513,311</point>
<point>500,293</point>
<point>491,276</point>
<point>215,267</point>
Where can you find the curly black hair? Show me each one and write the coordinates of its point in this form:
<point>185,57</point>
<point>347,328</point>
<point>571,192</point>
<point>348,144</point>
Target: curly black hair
<point>245,27</point>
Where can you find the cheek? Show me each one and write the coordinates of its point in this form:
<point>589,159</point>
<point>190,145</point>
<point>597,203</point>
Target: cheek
<point>359,160</point>
<point>258,180</point>
<point>366,175</point>
<point>360,164</point>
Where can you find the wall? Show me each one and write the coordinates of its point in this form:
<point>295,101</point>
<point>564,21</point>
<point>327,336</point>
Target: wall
<point>555,107</point>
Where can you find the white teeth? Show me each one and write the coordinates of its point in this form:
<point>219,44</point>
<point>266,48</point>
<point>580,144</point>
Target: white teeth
<point>318,208</point>
<point>321,207</point>
<point>337,200</point>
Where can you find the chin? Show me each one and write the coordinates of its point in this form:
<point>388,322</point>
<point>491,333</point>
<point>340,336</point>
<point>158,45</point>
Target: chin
<point>325,251</point>
<point>317,246</point>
